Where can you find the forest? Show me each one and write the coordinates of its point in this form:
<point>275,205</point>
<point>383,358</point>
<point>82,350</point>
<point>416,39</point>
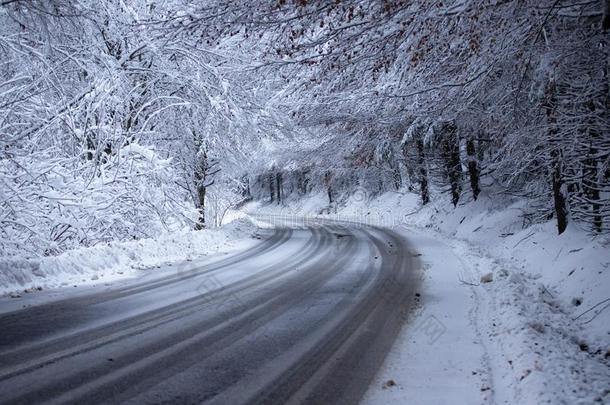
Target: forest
<point>125,119</point>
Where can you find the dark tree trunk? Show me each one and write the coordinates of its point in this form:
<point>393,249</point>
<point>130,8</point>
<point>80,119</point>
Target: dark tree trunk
<point>327,183</point>
<point>451,151</point>
<point>200,180</point>
<point>303,182</point>
<point>396,177</point>
<point>247,192</point>
<point>271,188</point>
<point>278,184</point>
<point>473,168</point>
<point>200,208</point>
<point>204,171</point>
<point>423,173</point>
<point>90,147</point>
<point>559,199</point>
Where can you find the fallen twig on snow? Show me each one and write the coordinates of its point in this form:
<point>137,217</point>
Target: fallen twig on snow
<point>528,236</point>
<point>592,308</point>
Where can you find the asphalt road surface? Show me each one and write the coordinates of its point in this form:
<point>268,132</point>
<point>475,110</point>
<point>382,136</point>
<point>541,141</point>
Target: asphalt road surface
<point>305,316</point>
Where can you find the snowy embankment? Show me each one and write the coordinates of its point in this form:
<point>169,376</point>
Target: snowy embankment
<point>107,262</point>
<point>508,315</point>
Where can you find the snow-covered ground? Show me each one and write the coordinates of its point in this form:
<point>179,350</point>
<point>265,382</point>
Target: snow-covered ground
<point>538,332</point>
<point>114,261</point>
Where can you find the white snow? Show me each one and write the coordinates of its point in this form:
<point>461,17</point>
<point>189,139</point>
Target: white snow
<point>147,152</point>
<point>107,262</point>
<point>521,338</point>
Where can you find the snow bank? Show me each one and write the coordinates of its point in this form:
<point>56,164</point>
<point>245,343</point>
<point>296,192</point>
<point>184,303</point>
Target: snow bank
<point>573,268</point>
<point>111,261</point>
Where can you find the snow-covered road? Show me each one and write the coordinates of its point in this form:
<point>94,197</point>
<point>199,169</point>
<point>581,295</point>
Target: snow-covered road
<point>305,316</point>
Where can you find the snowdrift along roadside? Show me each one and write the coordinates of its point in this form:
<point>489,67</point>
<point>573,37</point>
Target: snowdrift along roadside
<point>107,262</point>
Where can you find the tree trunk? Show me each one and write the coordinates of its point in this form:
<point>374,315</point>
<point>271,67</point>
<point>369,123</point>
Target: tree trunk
<point>473,168</point>
<point>271,188</point>
<point>90,147</point>
<point>396,177</point>
<point>200,179</point>
<point>203,173</point>
<point>559,199</point>
<point>423,173</point>
<point>200,208</point>
<point>278,184</point>
<point>247,193</point>
<point>327,182</point>
<point>451,149</point>
<point>303,182</point>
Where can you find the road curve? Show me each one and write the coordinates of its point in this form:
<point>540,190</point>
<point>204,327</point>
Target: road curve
<point>305,316</point>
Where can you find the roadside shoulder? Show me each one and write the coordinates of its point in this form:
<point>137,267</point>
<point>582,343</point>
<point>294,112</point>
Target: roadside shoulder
<point>439,354</point>
<point>535,349</point>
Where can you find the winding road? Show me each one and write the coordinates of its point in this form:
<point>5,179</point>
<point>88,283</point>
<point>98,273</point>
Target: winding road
<point>305,316</point>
